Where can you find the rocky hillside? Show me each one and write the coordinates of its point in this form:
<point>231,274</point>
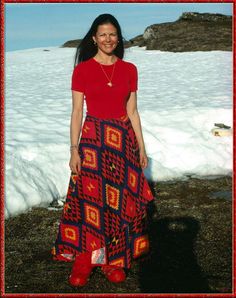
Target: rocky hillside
<point>191,32</point>
<point>71,43</point>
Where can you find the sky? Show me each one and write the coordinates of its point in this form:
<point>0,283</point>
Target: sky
<point>52,24</point>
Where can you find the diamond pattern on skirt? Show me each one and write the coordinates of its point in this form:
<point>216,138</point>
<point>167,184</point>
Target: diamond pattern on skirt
<point>113,167</point>
<point>105,207</point>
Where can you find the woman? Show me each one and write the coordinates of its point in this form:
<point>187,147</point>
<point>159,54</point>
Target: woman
<point>104,217</point>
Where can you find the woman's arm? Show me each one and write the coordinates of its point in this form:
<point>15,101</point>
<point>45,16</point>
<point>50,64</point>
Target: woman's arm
<point>75,129</point>
<point>76,116</point>
<point>133,114</point>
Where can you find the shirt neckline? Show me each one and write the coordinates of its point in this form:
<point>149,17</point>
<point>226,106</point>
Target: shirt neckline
<point>105,64</point>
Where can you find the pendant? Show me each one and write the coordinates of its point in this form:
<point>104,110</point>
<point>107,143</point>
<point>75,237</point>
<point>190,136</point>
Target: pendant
<point>109,84</point>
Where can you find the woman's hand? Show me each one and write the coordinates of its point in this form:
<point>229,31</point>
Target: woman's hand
<point>75,162</point>
<point>143,159</point>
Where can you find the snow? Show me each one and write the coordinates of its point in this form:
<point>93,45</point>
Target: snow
<point>180,97</point>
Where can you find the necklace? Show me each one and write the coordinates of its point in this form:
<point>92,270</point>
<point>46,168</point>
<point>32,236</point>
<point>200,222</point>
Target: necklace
<point>109,79</point>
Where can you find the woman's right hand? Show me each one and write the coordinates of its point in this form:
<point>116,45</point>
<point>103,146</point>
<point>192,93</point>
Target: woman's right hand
<point>75,162</point>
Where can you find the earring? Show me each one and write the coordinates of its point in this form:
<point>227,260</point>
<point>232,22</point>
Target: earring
<point>95,43</point>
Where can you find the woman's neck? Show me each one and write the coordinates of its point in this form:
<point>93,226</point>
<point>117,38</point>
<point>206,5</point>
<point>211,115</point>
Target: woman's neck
<point>105,59</point>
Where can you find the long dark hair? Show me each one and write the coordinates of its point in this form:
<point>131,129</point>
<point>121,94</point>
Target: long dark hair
<point>87,49</point>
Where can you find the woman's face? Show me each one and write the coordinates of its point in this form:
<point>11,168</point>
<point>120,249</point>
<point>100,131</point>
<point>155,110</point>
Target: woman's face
<point>106,38</point>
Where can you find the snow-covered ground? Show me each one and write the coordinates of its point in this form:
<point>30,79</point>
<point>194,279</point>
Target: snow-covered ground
<point>180,97</point>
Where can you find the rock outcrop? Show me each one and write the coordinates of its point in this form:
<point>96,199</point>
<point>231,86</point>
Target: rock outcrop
<point>193,31</point>
<point>71,43</point>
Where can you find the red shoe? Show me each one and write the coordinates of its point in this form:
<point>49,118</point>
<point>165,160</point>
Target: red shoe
<point>81,270</point>
<point>114,273</point>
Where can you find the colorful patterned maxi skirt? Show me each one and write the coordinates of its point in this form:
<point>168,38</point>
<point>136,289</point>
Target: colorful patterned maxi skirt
<point>105,211</point>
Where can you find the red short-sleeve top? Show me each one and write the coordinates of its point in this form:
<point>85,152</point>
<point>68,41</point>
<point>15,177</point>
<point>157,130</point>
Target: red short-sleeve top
<point>102,100</point>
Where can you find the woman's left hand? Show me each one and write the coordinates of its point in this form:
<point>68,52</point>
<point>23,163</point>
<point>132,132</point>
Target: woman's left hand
<point>143,159</point>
